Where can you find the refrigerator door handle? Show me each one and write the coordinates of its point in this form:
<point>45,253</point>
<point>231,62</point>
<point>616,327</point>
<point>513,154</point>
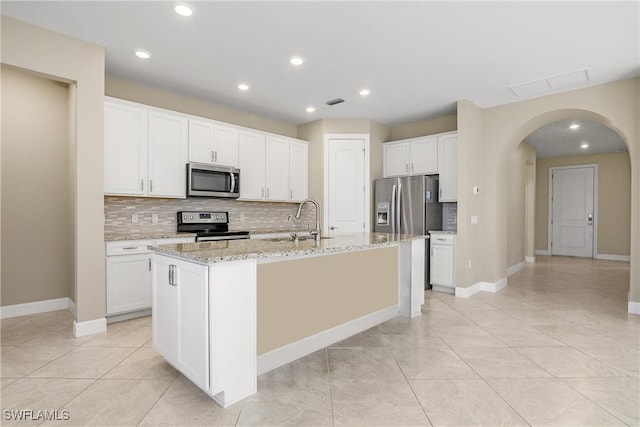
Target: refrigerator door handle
<point>393,208</point>
<point>399,208</point>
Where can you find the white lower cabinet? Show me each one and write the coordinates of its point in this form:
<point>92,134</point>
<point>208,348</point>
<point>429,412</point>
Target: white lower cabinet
<point>442,262</point>
<point>181,316</point>
<point>128,271</point>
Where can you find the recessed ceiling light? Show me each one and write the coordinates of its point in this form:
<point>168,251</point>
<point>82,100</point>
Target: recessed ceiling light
<point>296,60</point>
<point>243,86</point>
<point>365,92</point>
<point>584,146</point>
<point>143,54</point>
<point>310,109</point>
<point>183,9</point>
<point>574,126</point>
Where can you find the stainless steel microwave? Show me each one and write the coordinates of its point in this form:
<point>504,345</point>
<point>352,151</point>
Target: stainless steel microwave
<point>205,180</point>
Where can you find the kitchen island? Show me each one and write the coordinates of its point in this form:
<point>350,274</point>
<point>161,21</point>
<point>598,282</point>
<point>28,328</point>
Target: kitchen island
<point>227,311</point>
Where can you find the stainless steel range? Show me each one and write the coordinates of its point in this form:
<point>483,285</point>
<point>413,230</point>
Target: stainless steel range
<point>208,226</point>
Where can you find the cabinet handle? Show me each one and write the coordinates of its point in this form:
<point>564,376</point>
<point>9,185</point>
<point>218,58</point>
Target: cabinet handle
<point>406,167</point>
<point>129,248</point>
<point>267,192</point>
<point>142,185</point>
<point>411,167</point>
<point>440,193</point>
<point>262,192</point>
<point>150,186</point>
<point>171,275</point>
<point>432,251</point>
<point>291,194</point>
<point>216,155</point>
<point>149,264</point>
<point>213,156</point>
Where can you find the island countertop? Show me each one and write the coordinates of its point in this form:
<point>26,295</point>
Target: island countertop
<point>233,250</point>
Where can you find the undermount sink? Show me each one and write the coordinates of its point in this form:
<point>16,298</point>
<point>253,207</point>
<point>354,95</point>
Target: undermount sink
<point>301,238</point>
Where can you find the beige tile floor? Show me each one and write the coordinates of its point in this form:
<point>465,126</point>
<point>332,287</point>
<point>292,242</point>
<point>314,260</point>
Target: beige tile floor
<point>554,348</point>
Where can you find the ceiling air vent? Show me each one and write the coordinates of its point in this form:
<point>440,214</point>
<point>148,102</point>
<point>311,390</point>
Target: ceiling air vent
<point>335,101</point>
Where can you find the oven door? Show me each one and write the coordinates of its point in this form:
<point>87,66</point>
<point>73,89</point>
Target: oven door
<point>212,181</point>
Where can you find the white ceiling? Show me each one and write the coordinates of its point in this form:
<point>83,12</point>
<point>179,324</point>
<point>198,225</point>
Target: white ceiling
<point>558,139</point>
<point>417,58</point>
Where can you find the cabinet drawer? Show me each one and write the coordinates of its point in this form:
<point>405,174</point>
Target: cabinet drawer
<point>442,239</point>
<point>127,247</point>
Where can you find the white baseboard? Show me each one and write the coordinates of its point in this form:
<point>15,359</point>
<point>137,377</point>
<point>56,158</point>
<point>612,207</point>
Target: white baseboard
<point>515,268</point>
<point>72,308</point>
<point>542,252</point>
<point>530,259</point>
<point>610,257</point>
<point>90,327</point>
<point>36,307</point>
<point>634,307</point>
<point>481,286</point>
<point>290,352</point>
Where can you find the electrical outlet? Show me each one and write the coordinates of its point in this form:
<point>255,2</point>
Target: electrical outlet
<point>242,216</point>
<point>135,219</point>
<point>469,263</point>
<point>474,219</point>
<point>154,218</point>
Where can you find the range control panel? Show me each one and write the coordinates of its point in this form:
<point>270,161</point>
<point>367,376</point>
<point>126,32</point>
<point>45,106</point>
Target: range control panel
<point>192,217</point>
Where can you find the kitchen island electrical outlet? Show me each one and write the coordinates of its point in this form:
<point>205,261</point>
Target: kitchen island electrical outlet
<point>242,216</point>
<point>135,219</point>
<point>154,218</point>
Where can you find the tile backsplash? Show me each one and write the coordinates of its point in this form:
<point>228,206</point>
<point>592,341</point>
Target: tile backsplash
<point>248,216</point>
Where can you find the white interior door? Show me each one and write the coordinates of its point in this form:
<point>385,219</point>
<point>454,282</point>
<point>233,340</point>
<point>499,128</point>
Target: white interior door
<point>572,211</point>
<point>346,182</point>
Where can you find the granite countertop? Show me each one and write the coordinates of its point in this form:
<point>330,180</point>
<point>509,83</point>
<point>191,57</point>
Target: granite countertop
<point>146,236</point>
<point>233,250</point>
<point>442,232</point>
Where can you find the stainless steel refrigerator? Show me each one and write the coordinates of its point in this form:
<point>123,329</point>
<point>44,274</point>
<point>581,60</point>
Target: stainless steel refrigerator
<point>408,205</point>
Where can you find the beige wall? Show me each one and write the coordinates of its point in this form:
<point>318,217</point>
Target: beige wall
<point>314,133</point>
<point>498,131</point>
<point>346,286</point>
<point>81,64</point>
<point>379,134</point>
<point>521,158</point>
<point>162,99</point>
<point>36,210</point>
<point>424,127</point>
<point>614,200</point>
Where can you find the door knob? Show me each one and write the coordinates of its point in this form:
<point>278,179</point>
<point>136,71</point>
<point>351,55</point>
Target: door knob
<point>332,227</point>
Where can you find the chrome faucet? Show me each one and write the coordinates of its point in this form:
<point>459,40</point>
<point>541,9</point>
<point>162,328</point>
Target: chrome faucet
<point>316,232</point>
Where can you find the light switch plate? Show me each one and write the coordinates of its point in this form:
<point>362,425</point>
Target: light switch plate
<point>474,219</point>
<point>154,218</point>
<point>135,219</point>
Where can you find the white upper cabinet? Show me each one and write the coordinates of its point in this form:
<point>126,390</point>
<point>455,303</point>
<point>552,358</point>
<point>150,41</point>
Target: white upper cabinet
<point>396,158</point>
<point>272,168</point>
<point>448,166</point>
<point>411,157</point>
<point>213,143</point>
<point>298,170</point>
<point>252,157</point>
<point>145,151</point>
<point>424,156</point>
<point>277,169</point>
<point>167,155</point>
<point>125,149</point>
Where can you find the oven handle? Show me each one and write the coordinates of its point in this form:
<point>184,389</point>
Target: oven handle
<point>233,182</point>
<point>218,238</point>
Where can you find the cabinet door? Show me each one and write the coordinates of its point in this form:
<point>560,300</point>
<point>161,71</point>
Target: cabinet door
<point>201,136</point>
<point>167,155</point>
<point>277,169</point>
<point>396,159</point>
<point>226,145</point>
<point>298,170</point>
<point>252,156</point>
<point>424,156</point>
<point>125,149</point>
<point>180,321</point>
<point>128,283</point>
<point>441,264</point>
<point>448,167</point>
